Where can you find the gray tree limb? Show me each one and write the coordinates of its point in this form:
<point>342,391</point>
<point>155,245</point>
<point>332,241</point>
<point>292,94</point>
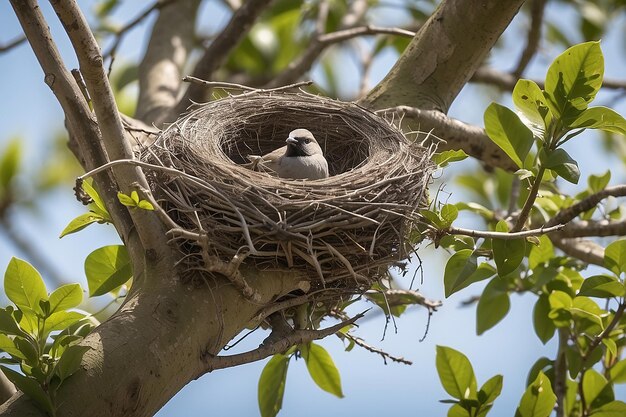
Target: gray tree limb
<point>160,70</point>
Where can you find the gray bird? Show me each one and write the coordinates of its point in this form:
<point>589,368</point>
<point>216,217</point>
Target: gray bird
<point>302,158</point>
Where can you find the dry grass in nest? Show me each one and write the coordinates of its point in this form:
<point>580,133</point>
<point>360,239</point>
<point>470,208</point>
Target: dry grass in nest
<point>342,229</point>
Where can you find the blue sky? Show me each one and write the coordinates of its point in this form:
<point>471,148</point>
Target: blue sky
<point>28,110</point>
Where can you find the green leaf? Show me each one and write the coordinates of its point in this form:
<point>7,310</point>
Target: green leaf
<point>490,390</point>
<point>596,389</point>
<point>449,213</point>
<point>145,205</point>
<point>601,118</point>
<point>507,131</point>
<point>62,320</point>
<point>574,79</point>
<point>530,102</point>
<point>599,182</point>
<point>82,221</point>
<point>10,162</point>
<point>322,369</point>
<point>31,388</point>
<point>29,351</point>
<point>7,345</point>
<point>602,286</point>
<point>8,325</point>
<point>272,385</point>
<point>538,399</point>
<point>442,159</point>
<point>543,325</point>
<point>507,254</point>
<point>618,372</point>
<point>610,409</point>
<point>23,285</point>
<point>66,297</point>
<point>107,268</point>
<point>542,253</point>
<point>126,200</point>
<point>459,269</point>
<point>455,373</point>
<point>70,361</point>
<point>493,306</point>
<point>97,200</point>
<point>560,162</point>
<point>615,256</point>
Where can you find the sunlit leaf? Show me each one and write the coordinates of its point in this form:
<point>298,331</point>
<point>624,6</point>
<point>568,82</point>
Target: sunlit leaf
<point>66,297</point>
<point>531,105</point>
<point>82,221</point>
<point>507,131</point>
<point>272,385</point>
<point>455,373</point>
<point>538,399</point>
<point>322,369</point>
<point>23,285</point>
<point>107,268</point>
<point>601,118</point>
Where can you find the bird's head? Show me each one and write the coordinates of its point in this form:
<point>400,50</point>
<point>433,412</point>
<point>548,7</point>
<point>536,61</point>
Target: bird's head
<point>301,142</point>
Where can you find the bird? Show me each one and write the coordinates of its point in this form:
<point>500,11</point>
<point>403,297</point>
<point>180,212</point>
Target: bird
<point>302,158</point>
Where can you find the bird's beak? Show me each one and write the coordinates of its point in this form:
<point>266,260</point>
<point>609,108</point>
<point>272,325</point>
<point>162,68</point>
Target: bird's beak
<point>291,140</point>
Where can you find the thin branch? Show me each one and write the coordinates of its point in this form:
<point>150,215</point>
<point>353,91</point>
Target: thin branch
<point>501,235</point>
<point>360,342</point>
<point>533,38</point>
<point>458,135</point>
<point>215,55</point>
<point>120,33</point>
<point>227,85</point>
<point>530,202</point>
<point>585,250</point>
<point>297,337</point>
<point>12,43</point>
<point>343,35</point>
<point>607,330</point>
<point>506,81</point>
<point>568,214</point>
<point>597,228</point>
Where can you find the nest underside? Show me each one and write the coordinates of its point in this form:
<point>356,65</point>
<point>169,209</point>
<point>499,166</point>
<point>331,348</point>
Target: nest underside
<point>346,228</point>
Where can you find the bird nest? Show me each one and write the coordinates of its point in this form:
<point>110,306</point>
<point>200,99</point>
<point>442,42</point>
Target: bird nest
<point>344,230</point>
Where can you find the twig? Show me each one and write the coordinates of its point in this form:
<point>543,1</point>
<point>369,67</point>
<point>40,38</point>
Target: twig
<point>560,372</point>
<point>530,202</point>
<point>297,337</point>
<point>533,38</point>
<point>503,235</point>
<point>226,85</point>
<point>13,43</point>
<point>360,342</point>
<point>607,330</point>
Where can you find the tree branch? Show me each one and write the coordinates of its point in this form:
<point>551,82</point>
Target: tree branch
<point>151,231</point>
<point>120,33</point>
<point>456,134</point>
<point>568,214</point>
<point>533,38</point>
<point>443,55</point>
<point>597,228</point>
<point>502,235</point>
<point>585,250</point>
<point>12,43</point>
<point>297,337</point>
<point>215,55</point>
<point>506,81</point>
<point>360,342</point>
<point>160,70</point>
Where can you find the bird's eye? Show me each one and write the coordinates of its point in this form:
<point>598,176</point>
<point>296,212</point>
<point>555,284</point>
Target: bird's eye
<point>307,141</point>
